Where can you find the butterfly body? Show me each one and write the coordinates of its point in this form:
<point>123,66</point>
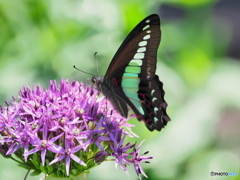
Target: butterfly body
<point>131,80</point>
<point>106,87</point>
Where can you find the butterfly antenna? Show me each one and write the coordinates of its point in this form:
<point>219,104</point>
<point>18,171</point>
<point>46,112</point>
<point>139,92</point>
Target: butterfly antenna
<point>95,57</point>
<point>82,71</point>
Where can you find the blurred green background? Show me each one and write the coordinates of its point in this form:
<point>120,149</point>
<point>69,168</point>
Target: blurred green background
<point>199,64</point>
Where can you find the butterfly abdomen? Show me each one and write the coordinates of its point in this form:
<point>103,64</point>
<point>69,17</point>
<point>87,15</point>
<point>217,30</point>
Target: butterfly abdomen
<point>114,96</point>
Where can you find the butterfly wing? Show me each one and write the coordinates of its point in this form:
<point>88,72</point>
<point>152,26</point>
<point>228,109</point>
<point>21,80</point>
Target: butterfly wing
<point>131,80</point>
<point>143,39</point>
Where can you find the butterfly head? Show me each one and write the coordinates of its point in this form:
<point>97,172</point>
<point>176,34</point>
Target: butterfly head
<point>97,80</point>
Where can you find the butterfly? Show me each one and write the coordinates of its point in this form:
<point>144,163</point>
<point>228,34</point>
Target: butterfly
<point>130,79</point>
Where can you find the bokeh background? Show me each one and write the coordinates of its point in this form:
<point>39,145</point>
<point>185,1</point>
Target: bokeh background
<point>199,63</point>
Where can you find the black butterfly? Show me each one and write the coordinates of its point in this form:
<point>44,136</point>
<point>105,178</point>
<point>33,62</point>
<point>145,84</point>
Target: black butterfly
<point>131,79</point>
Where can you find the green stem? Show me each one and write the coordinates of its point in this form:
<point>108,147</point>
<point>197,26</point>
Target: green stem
<point>82,176</point>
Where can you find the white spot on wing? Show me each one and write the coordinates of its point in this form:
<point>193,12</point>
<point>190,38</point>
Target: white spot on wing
<point>139,56</point>
<point>146,37</point>
<point>135,61</point>
<point>152,92</point>
<point>141,49</point>
<point>142,43</point>
<point>154,99</point>
<point>146,27</point>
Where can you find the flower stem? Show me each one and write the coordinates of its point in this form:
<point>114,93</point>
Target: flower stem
<point>82,176</point>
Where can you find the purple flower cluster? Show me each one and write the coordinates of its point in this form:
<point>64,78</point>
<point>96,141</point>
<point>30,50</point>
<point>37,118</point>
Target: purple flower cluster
<point>65,130</point>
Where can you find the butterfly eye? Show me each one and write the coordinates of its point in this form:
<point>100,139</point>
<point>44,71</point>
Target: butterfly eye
<point>93,79</point>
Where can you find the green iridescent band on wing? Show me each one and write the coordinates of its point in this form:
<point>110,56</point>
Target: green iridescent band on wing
<point>130,85</point>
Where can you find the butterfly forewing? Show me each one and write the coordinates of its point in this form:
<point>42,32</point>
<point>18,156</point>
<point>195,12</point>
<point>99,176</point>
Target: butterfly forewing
<point>145,39</point>
<point>131,80</point>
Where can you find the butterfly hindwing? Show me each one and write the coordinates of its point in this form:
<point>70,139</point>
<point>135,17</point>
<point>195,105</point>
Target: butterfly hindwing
<point>131,80</point>
<point>151,94</point>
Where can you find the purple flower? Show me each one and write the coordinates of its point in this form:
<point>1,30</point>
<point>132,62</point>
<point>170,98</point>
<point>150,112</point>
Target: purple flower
<point>65,130</point>
<point>137,159</point>
<point>67,153</point>
<point>119,151</point>
<point>43,145</point>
